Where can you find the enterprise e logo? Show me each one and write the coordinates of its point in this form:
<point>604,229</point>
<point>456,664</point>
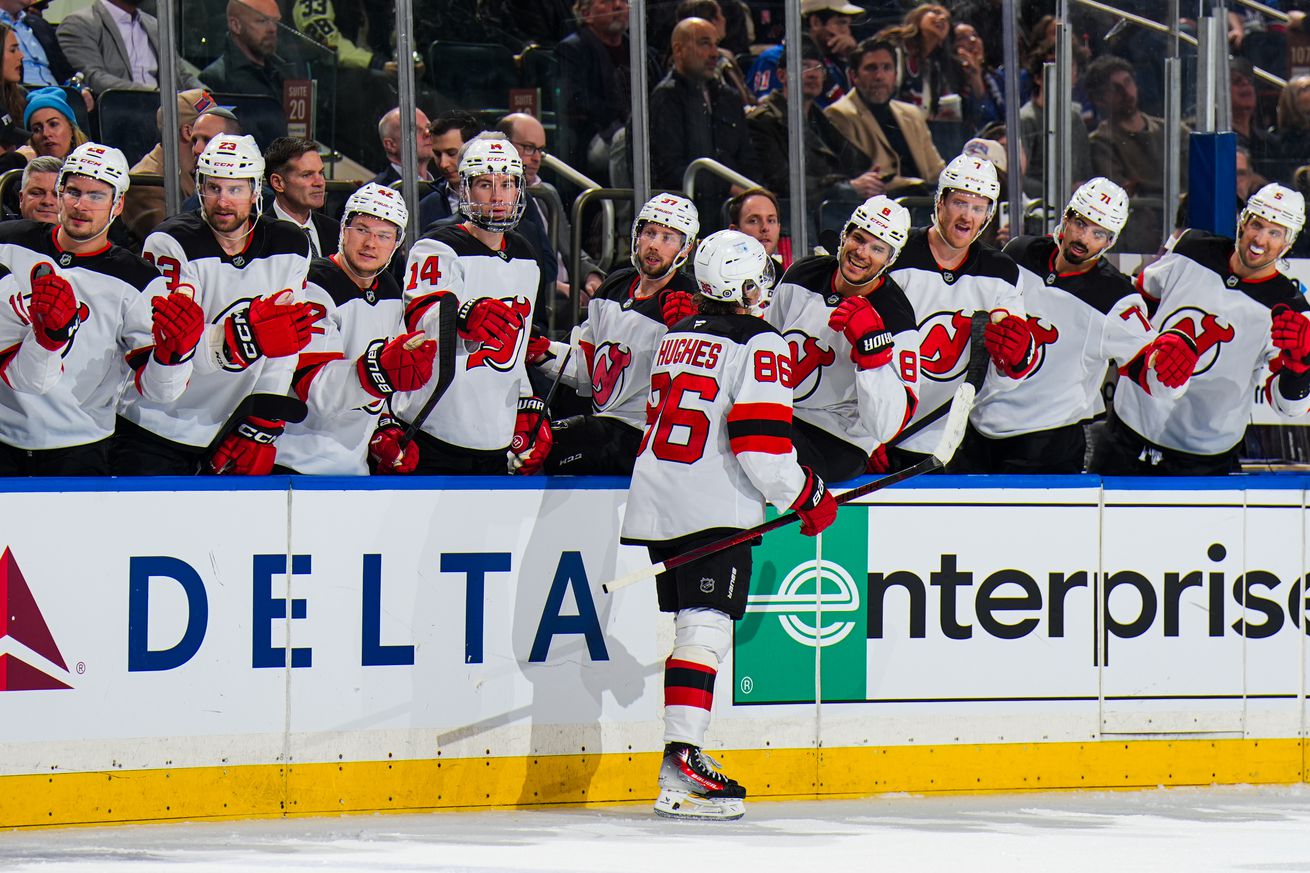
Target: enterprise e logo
<point>27,649</point>
<point>804,595</point>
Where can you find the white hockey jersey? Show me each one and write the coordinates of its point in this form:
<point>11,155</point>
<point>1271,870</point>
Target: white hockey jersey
<point>110,353</point>
<point>944,302</point>
<point>1080,323</point>
<point>186,252</point>
<point>862,407</point>
<point>478,410</point>
<point>333,438</point>
<point>1230,321</point>
<point>718,443</point>
<point>613,349</point>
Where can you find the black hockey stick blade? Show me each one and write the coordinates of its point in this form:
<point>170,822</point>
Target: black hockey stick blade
<point>276,407</point>
<point>550,395</point>
<point>447,309</point>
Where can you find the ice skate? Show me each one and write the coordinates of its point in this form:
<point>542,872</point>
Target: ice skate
<point>692,787</point>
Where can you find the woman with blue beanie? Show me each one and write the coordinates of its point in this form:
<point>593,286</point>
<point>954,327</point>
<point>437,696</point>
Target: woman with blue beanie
<point>52,122</point>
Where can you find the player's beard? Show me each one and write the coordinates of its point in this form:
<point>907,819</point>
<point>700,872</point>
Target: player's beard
<point>1266,260</point>
<point>659,271</point>
<point>1073,257</point>
<point>86,237</point>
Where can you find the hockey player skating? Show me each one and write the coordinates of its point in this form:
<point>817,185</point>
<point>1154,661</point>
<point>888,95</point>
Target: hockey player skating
<point>347,375</point>
<point>947,276</point>
<point>1083,314</point>
<point>247,271</point>
<point>487,421</point>
<point>613,349</point>
<point>854,343</point>
<point>86,321</point>
<point>1248,323</point>
<point>716,449</point>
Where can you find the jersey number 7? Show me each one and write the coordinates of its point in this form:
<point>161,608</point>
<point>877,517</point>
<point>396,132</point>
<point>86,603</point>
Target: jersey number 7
<point>666,412</point>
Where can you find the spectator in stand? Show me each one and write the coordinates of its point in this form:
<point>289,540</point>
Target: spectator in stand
<point>1291,132</point>
<point>43,60</point>
<point>1258,142</point>
<point>1246,180</point>
<point>925,69</point>
<point>982,88</point>
<point>38,196</point>
<point>698,117</point>
<point>528,137</point>
<point>1128,148</point>
<point>143,205</point>
<point>365,42</point>
<point>727,70</point>
<point>248,64</point>
<point>892,134</point>
<point>829,24</point>
<point>52,122</point>
<point>754,212</point>
<point>13,97</point>
<point>830,160</point>
<point>209,124</point>
<point>389,133</point>
<point>116,45</point>
<point>294,171</point>
<point>448,132</point>
<point>1032,132</point>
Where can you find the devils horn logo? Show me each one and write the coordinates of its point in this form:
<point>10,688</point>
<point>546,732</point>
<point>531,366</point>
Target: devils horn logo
<point>943,349</point>
<point>608,372</point>
<point>501,356</point>
<point>809,357</point>
<point>1206,330</point>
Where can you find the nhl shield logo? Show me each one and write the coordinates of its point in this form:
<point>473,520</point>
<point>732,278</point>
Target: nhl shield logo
<point>65,259</point>
<point>706,585</point>
<point>239,261</point>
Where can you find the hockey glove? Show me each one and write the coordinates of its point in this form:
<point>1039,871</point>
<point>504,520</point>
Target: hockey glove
<point>538,348</point>
<point>1173,357</point>
<point>384,452</point>
<point>1008,342</point>
<point>815,505</point>
<point>177,323</point>
<point>273,326</point>
<point>871,341</point>
<point>528,451</point>
<point>249,450</point>
<point>54,311</point>
<point>1290,333</point>
<point>676,306</point>
<point>401,364</point>
<point>488,320</point>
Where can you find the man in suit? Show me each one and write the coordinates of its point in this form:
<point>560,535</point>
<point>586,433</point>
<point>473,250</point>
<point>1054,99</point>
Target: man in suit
<point>891,133</point>
<point>249,63</point>
<point>449,130</point>
<point>93,41</point>
<point>389,133</point>
<point>295,173</point>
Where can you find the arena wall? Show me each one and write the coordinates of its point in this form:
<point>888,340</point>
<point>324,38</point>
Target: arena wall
<point>448,645</point>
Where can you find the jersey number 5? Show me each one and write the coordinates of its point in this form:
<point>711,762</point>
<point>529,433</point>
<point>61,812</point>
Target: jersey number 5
<point>428,272</point>
<point>666,412</point>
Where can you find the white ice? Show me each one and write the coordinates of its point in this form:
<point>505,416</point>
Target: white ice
<point>1189,830</point>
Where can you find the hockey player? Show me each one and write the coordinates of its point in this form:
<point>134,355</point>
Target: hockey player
<point>86,321</point>
<point>716,449</point>
<point>613,349</point>
<point>346,376</point>
<point>1083,314</point>
<point>247,271</point>
<point>1248,323</point>
<point>947,276</point>
<point>487,421</point>
<point>854,343</point>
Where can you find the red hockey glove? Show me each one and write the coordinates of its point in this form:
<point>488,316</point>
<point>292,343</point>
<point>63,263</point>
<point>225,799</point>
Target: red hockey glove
<point>676,306</point>
<point>1008,342</point>
<point>249,450</point>
<point>1173,357</point>
<point>54,311</point>
<point>538,349</point>
<point>1290,333</point>
<point>177,323</point>
<point>878,462</point>
<point>815,505</point>
<point>402,364</point>
<point>487,319</point>
<point>384,451</point>
<point>871,341</point>
<point>528,451</point>
<point>272,326</point>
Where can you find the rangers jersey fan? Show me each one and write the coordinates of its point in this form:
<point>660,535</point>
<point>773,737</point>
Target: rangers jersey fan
<point>1229,319</point>
<point>108,355</point>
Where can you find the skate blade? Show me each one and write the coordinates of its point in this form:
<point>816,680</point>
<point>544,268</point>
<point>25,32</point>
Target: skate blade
<point>682,804</point>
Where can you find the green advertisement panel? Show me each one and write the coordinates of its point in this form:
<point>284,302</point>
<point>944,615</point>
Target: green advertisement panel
<point>797,617</point>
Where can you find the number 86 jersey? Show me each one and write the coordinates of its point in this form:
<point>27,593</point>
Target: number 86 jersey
<point>717,444</point>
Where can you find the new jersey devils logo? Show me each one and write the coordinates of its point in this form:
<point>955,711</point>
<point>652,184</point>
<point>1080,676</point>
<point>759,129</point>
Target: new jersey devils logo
<point>943,345</point>
<point>608,372</point>
<point>501,356</point>
<point>19,303</point>
<point>1044,334</point>
<point>808,358</point>
<point>1207,330</point>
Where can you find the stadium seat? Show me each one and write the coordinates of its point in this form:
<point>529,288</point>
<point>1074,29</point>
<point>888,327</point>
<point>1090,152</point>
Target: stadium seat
<point>541,70</point>
<point>260,116</point>
<point>473,74</point>
<point>127,121</point>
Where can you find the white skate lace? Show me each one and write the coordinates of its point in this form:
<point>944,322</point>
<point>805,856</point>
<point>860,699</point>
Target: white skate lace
<point>709,766</point>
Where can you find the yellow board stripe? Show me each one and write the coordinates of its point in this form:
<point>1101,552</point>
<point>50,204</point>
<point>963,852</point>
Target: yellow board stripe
<point>268,791</point>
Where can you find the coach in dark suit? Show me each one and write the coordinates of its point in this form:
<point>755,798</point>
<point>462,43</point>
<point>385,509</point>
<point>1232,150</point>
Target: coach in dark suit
<point>93,44</point>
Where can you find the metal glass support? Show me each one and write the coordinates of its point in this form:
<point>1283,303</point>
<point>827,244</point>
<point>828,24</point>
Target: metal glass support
<point>1206,96</point>
<point>1224,104</point>
<point>405,80</point>
<point>168,103</point>
<point>575,255</point>
<point>723,171</point>
<point>1173,124</point>
<point>1062,98</point>
<point>583,181</point>
<point>640,88</point>
<point>1013,142</point>
<point>1050,188</point>
<point>796,131</point>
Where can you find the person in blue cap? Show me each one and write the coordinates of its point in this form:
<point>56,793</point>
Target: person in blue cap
<point>52,122</point>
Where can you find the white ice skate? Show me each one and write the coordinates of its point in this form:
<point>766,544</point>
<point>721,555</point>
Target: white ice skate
<point>691,787</point>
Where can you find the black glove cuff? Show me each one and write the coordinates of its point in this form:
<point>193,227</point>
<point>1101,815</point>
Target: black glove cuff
<point>370,368</point>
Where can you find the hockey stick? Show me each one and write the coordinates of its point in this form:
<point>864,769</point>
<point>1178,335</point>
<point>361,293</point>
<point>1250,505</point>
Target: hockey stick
<point>447,308</point>
<point>545,406</point>
<point>956,420</point>
<point>275,407</point>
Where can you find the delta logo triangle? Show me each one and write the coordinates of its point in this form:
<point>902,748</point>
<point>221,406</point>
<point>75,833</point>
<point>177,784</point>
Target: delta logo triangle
<point>23,634</point>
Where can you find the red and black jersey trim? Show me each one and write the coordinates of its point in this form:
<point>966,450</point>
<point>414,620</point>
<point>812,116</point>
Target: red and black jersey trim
<point>137,359</point>
<point>7,356</point>
<point>419,306</point>
<point>760,427</point>
<point>687,683</point>
<point>307,367</point>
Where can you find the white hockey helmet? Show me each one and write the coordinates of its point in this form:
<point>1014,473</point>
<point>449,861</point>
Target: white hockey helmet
<point>972,174</point>
<point>1101,202</point>
<point>1280,205</point>
<point>883,218</point>
<point>378,201</point>
<point>674,212</point>
<point>490,153</point>
<point>729,264</point>
<point>101,162</point>
<point>228,156</point>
